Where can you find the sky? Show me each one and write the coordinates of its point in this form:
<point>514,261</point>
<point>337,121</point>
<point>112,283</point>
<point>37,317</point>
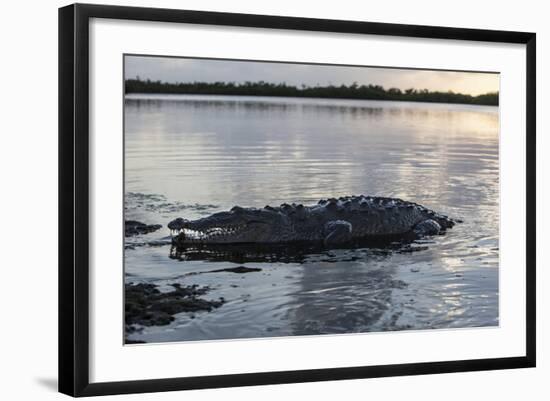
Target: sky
<point>169,69</point>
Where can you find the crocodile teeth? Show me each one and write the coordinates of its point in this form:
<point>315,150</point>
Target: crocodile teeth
<point>212,232</point>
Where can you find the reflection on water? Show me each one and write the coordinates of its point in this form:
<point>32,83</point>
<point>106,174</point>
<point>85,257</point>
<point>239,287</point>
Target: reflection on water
<point>189,156</point>
<point>296,252</point>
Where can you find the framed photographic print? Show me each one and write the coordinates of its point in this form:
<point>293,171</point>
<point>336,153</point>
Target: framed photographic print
<point>250,199</point>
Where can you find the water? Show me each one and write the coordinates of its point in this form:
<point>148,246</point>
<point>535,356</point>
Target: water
<point>189,156</point>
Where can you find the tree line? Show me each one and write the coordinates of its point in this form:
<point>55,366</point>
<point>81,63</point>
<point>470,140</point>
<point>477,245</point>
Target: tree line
<point>354,91</point>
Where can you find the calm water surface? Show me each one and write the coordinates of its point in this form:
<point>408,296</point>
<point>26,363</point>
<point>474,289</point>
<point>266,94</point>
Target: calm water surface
<point>189,156</point>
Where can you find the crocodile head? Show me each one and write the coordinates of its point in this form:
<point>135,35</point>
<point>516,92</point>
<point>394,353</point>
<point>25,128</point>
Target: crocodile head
<point>239,225</point>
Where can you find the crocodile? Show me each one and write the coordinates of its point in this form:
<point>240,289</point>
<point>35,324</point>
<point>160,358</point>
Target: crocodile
<point>332,221</point>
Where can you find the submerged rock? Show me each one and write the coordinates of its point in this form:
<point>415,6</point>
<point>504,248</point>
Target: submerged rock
<point>133,227</point>
<point>145,305</point>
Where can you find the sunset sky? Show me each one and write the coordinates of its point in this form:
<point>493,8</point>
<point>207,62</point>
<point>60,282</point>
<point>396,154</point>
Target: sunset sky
<point>189,70</point>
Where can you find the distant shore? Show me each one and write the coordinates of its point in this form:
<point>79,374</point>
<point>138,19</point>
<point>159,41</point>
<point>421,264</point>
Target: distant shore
<point>363,92</point>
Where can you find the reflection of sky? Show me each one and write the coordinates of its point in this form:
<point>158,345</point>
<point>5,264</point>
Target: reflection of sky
<point>189,70</point>
<point>255,151</point>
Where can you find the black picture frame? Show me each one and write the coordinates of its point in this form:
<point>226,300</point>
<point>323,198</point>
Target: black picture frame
<point>74,198</point>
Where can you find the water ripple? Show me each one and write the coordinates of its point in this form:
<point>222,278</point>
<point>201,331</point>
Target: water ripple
<point>191,156</point>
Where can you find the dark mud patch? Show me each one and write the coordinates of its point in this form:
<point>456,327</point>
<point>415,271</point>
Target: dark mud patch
<point>412,248</point>
<point>133,227</point>
<point>145,305</point>
<point>238,269</point>
<point>127,341</point>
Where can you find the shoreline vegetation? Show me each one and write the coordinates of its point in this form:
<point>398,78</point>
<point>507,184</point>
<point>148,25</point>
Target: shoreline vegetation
<point>354,91</point>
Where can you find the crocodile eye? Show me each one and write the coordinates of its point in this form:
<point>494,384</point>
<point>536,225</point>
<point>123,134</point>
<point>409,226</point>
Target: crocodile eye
<point>237,209</point>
